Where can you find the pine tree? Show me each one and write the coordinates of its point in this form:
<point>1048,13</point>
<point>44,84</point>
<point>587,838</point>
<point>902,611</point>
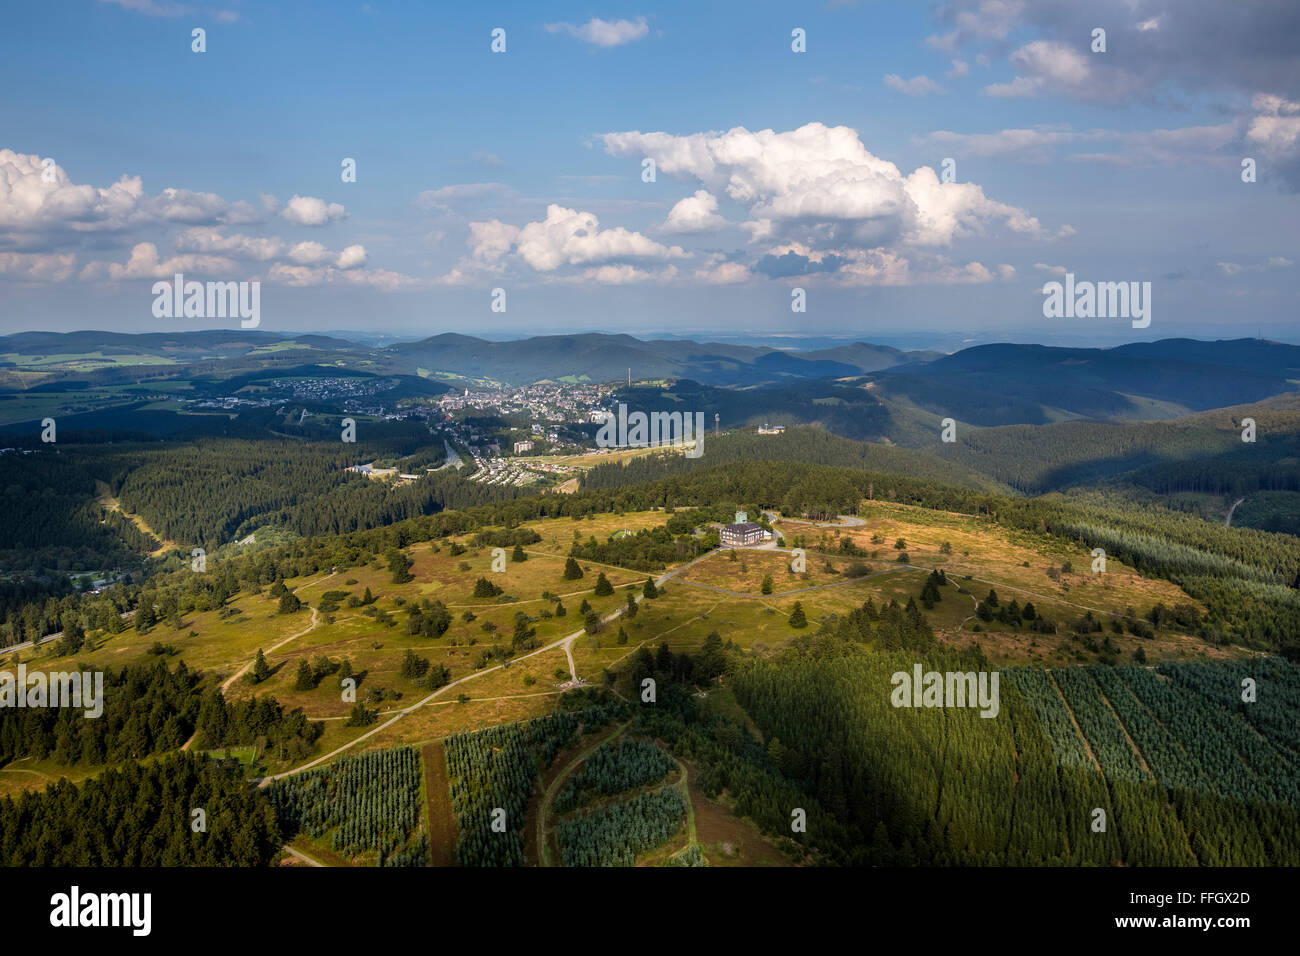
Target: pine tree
<point>260,669</point>
<point>649,591</point>
<point>797,616</point>
<point>766,587</point>
<point>571,570</point>
<point>603,587</point>
<point>74,636</point>
<point>518,554</point>
<point>306,677</point>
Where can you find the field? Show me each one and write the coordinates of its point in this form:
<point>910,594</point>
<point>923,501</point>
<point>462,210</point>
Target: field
<point>359,616</point>
<point>714,593</point>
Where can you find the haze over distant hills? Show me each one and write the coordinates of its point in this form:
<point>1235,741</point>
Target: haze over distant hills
<point>985,384</point>
<point>859,390</point>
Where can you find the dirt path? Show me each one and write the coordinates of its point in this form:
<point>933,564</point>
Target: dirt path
<point>315,619</point>
<point>105,498</point>
<point>34,773</point>
<point>1087,746</point>
<point>1051,599</point>
<point>563,642</point>
<point>1227,523</point>
<point>544,808</point>
<point>442,822</point>
<point>814,587</point>
<point>301,856</point>
<point>684,785</point>
<point>845,521</point>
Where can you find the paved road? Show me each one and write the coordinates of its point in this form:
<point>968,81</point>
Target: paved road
<point>453,457</point>
<point>47,638</point>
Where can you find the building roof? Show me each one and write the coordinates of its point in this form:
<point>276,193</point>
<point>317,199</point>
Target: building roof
<point>745,528</point>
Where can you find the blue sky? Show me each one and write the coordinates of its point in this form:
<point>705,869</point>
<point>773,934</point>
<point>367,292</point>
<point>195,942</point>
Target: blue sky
<point>479,170</point>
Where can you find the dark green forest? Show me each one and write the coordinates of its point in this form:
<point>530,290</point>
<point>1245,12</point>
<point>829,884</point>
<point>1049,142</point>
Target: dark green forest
<point>140,815</point>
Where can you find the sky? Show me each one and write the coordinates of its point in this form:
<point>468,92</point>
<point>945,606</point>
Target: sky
<point>918,170</point>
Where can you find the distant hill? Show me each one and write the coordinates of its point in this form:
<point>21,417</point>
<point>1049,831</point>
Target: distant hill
<point>180,346</point>
<point>861,390</point>
<point>1035,384</point>
<point>598,357</point>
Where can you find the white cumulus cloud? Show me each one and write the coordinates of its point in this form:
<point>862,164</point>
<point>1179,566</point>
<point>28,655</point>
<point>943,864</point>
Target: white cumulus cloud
<point>310,211</point>
<point>695,213</point>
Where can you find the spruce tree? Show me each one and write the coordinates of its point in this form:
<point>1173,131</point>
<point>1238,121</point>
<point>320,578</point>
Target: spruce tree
<point>483,588</point>
<point>261,671</point>
<point>797,617</point>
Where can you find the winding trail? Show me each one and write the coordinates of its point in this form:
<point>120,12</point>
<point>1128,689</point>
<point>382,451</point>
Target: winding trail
<point>544,807</point>
<point>315,619</point>
<point>564,642</point>
<point>109,503</point>
<point>1227,522</point>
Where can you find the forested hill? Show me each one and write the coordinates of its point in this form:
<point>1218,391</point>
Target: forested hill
<point>811,446</point>
<point>1246,579</point>
<point>599,357</point>
<point>1036,384</point>
<point>1203,452</point>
